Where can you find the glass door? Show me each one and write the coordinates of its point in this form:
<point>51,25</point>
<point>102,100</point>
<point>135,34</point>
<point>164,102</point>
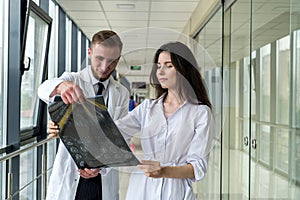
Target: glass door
<point>237,80</point>
<point>270,100</point>
<point>294,122</point>
<point>261,140</point>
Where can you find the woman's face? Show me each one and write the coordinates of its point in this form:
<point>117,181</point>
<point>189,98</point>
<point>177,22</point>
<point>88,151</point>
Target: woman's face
<point>166,72</point>
<point>103,60</point>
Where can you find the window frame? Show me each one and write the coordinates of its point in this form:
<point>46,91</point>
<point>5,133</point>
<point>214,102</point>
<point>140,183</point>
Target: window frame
<point>29,133</point>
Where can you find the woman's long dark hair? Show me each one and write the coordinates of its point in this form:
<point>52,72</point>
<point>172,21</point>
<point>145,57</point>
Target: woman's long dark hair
<point>190,85</point>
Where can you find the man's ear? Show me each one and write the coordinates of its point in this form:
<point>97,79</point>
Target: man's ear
<point>89,52</point>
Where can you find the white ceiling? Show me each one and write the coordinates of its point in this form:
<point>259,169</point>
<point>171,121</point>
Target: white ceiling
<point>150,23</point>
<point>143,25</point>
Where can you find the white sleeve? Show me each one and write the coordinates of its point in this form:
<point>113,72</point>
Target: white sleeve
<point>202,144</point>
<point>48,86</point>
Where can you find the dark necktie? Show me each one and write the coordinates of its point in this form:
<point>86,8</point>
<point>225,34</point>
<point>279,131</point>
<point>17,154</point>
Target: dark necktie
<point>100,88</point>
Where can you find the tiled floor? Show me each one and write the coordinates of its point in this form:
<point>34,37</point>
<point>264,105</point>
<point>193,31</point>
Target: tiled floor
<point>265,184</point>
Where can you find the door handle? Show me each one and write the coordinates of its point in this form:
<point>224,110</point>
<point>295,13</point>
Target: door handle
<point>254,144</point>
<point>246,141</point>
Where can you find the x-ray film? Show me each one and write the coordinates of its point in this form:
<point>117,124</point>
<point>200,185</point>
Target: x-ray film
<point>90,135</point>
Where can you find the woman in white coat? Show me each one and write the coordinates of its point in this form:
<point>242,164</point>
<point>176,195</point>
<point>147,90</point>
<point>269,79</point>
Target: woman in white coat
<point>177,128</point>
<point>104,54</point>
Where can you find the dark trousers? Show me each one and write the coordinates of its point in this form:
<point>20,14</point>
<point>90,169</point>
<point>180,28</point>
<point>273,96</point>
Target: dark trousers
<point>89,189</point>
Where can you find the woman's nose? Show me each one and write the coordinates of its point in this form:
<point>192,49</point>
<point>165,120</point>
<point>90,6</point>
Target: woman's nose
<point>161,70</point>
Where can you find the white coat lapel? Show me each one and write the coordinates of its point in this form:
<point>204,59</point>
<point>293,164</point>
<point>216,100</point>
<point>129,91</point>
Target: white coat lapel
<point>85,82</point>
<point>113,93</point>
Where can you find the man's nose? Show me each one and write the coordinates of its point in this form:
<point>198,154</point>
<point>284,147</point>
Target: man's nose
<point>104,64</point>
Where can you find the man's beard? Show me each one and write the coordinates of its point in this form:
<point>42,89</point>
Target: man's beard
<point>105,78</point>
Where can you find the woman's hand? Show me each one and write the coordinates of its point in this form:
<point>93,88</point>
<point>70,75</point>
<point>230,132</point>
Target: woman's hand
<point>151,168</point>
<point>52,129</point>
<point>154,170</point>
<point>88,173</point>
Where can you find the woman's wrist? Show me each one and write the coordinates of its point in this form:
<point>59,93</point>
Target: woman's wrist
<point>164,170</point>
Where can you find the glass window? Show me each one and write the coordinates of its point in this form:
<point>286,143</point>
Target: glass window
<point>28,173</point>
<point>245,70</point>
<point>36,1</point>
<point>208,51</point>
<point>297,69</point>
<point>52,60</point>
<point>68,44</point>
<point>236,136</point>
<point>2,33</point>
<point>264,144</point>
<point>283,77</point>
<point>265,67</point>
<point>294,144</point>
<point>79,50</point>
<point>52,72</point>
<point>36,43</point>
<point>253,84</point>
<point>281,154</point>
<point>3,60</point>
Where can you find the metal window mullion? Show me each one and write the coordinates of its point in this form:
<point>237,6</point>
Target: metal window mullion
<point>13,91</point>
<point>83,51</point>
<point>74,48</point>
<point>61,42</point>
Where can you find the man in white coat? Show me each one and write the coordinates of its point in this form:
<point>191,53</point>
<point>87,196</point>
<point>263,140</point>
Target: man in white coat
<point>65,182</point>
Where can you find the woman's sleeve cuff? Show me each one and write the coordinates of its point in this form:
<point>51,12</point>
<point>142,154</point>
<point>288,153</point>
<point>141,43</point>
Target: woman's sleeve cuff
<point>199,171</point>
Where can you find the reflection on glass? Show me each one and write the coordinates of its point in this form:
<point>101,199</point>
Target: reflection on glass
<point>297,72</point>
<point>281,154</point>
<point>237,132</point>
<point>2,165</point>
<point>254,85</point>
<point>264,144</point>
<point>283,77</point>
<point>53,49</point>
<point>208,52</point>
<point>265,96</point>
<point>1,72</point>
<point>27,174</point>
<point>245,100</point>
<point>52,72</point>
<point>35,51</point>
<point>68,43</point>
<point>294,145</point>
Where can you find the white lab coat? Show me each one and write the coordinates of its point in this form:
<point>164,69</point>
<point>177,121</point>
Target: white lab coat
<point>64,178</point>
<point>185,137</point>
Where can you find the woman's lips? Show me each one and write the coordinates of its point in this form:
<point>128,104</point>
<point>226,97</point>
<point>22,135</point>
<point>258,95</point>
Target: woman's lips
<point>162,79</point>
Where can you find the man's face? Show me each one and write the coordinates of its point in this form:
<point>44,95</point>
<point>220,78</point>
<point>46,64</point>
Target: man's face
<point>103,60</point>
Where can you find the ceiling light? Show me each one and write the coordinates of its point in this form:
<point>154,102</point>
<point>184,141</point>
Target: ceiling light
<point>125,6</point>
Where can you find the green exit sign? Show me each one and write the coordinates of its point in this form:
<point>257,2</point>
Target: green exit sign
<point>135,67</point>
